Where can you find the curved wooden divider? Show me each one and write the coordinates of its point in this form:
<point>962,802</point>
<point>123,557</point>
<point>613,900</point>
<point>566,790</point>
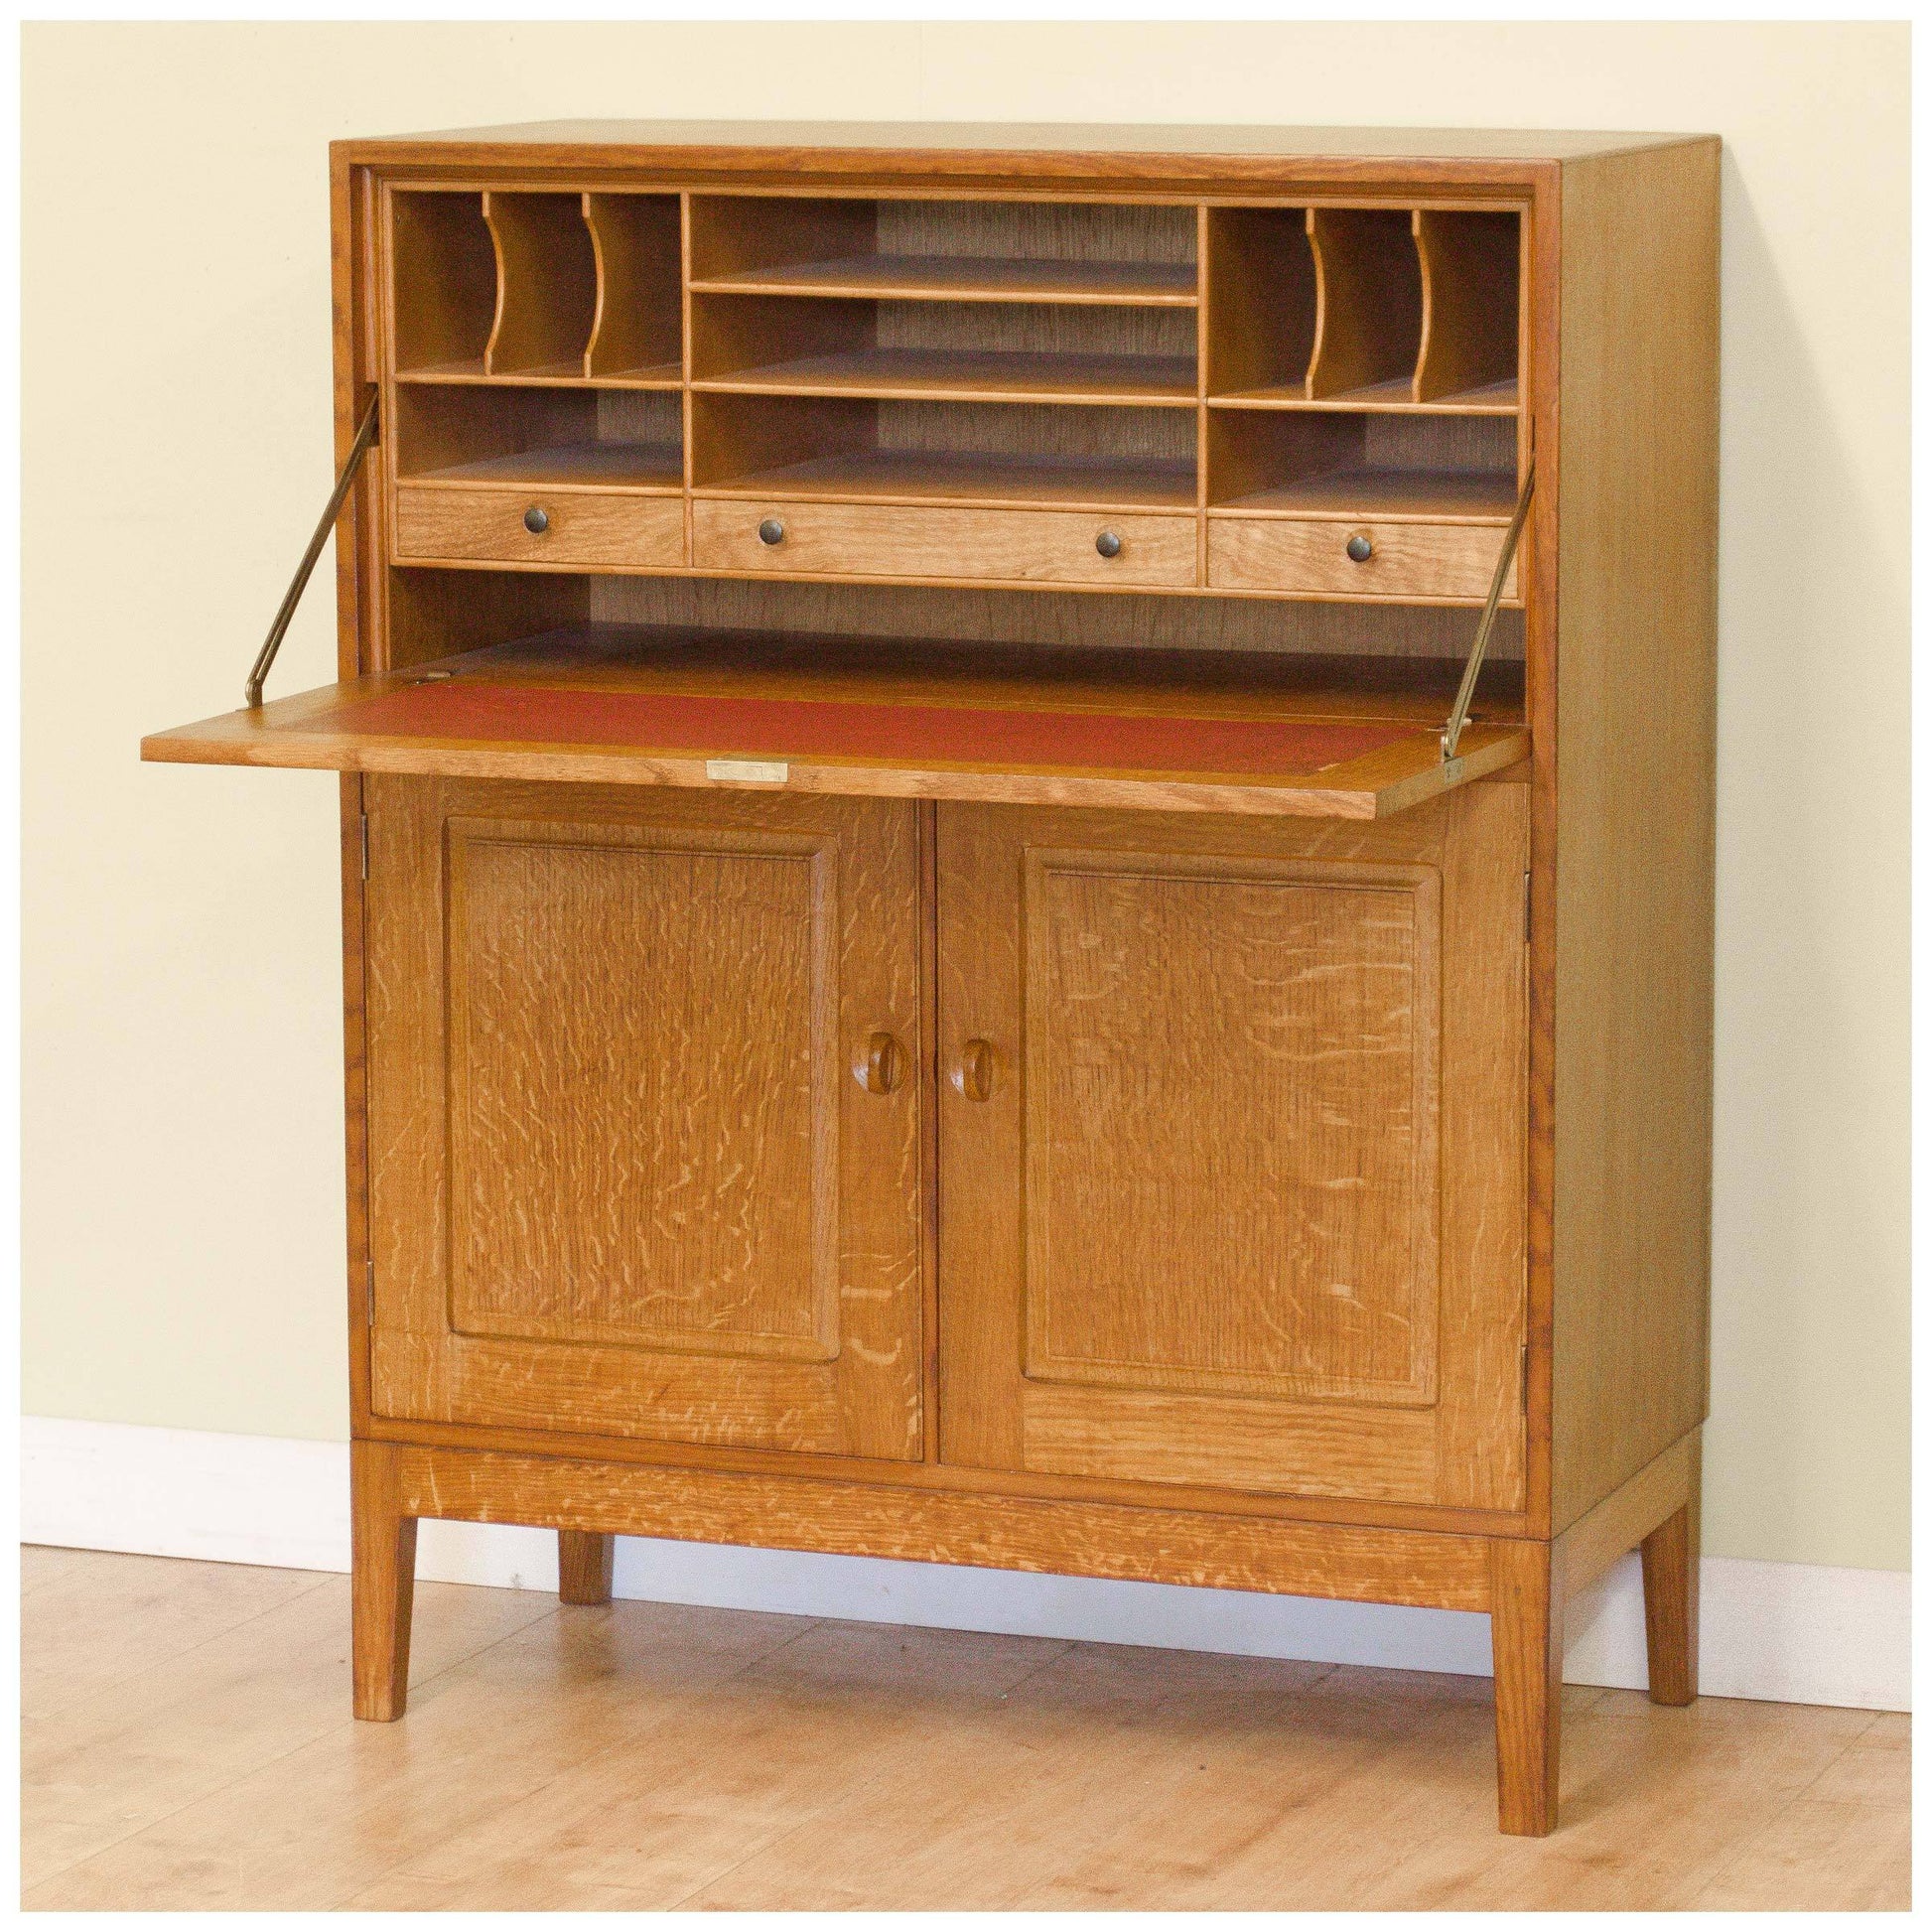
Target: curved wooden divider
<point>546,285</point>
<point>1470,288</point>
<point>1368,301</point>
<point>636,329</point>
<point>445,280</point>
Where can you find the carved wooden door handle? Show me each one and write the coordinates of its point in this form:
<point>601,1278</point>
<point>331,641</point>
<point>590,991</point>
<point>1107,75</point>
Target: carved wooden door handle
<point>882,1066</point>
<point>973,1076</point>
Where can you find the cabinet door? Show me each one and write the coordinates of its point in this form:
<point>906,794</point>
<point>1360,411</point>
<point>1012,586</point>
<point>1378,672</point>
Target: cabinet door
<point>1232,1147</point>
<point>644,1113</point>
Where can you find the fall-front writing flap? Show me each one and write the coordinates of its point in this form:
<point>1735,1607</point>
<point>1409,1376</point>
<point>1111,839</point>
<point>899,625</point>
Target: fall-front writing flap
<point>622,705</point>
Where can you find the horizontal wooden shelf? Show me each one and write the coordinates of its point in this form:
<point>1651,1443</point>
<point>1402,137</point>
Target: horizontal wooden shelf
<point>956,375</point>
<point>1415,495</point>
<point>918,477</point>
<point>636,467</point>
<point>561,375</point>
<point>619,705</point>
<point>947,278</point>
<point>1395,396</point>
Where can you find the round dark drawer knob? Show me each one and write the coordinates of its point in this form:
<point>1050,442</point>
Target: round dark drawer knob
<point>536,519</point>
<point>771,531</point>
<point>1361,548</point>
<point>1108,543</point>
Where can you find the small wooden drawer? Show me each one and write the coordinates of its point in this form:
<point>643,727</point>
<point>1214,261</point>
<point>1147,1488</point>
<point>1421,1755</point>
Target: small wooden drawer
<point>880,540</point>
<point>434,521</point>
<point>1405,560</point>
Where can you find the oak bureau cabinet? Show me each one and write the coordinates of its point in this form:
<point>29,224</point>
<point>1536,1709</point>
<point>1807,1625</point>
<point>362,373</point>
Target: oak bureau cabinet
<point>1027,851</point>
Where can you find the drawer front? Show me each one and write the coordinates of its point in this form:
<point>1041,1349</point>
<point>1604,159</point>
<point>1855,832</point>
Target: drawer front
<point>581,526</point>
<point>876,540</point>
<point>1408,560</point>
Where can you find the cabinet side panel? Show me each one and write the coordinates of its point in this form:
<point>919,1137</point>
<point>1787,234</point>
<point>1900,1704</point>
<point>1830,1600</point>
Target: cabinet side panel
<point>1635,703</point>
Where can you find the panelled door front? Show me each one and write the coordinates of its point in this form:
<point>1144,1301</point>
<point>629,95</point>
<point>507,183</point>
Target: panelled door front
<point>644,1113</point>
<point>1232,1147</point>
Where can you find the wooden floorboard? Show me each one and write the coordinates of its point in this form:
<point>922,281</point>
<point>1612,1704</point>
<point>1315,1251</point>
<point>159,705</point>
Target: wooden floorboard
<point>186,1746</point>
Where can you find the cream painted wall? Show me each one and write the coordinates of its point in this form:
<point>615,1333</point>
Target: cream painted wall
<point>183,1155</point>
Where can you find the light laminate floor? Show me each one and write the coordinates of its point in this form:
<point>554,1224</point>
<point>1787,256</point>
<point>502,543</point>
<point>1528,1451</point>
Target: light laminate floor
<point>187,1745</point>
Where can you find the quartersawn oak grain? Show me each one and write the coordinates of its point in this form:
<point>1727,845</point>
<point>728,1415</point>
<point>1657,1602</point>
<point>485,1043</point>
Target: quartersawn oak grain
<point>643,1201</point>
<point>1009,1533</point>
<point>1088,1327</point>
<point>1348,328</point>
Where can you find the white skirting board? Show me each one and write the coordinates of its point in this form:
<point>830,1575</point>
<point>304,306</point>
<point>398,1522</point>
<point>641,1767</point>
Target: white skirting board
<point>1792,1633</point>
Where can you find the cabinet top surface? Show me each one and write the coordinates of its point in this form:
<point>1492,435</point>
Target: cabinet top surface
<point>720,142</point>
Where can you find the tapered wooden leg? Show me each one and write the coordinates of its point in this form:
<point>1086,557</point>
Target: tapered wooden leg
<point>382,1583</point>
<point>1670,1606</point>
<point>1526,1639</point>
<point>584,1566</point>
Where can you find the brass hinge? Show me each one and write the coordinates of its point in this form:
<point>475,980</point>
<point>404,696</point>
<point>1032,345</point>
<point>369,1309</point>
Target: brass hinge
<point>365,845</point>
<point>1525,884</point>
<point>1523,1371</point>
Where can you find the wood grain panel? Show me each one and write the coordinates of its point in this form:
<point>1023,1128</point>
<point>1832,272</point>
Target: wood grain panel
<point>1272,1026</point>
<point>1209,1314</point>
<point>623,1178</point>
<point>1369,633</point>
<point>1441,1570</point>
<point>1372,1454</point>
<point>1635,721</point>
<point>713,1401</point>
<point>1253,553</point>
<point>1481,1443</point>
<point>585,526</point>
<point>643,1120</point>
<point>850,540</point>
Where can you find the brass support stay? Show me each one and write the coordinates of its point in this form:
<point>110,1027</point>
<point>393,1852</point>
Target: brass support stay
<point>265,657</point>
<point>1460,715</point>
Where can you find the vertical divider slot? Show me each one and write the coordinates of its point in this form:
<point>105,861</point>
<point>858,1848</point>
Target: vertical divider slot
<point>444,282</point>
<point>1471,264</point>
<point>637,328</point>
<point>546,284</point>
<point>1368,302</point>
<point>1259,324</point>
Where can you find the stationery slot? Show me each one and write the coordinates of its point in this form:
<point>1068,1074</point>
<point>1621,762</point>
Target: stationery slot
<point>443,285</point>
<point>637,332</point>
<point>546,285</point>
<point>1368,302</point>
<point>1259,327</point>
<point>1471,271</point>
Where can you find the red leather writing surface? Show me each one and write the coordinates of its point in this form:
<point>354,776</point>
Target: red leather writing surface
<point>778,728</point>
